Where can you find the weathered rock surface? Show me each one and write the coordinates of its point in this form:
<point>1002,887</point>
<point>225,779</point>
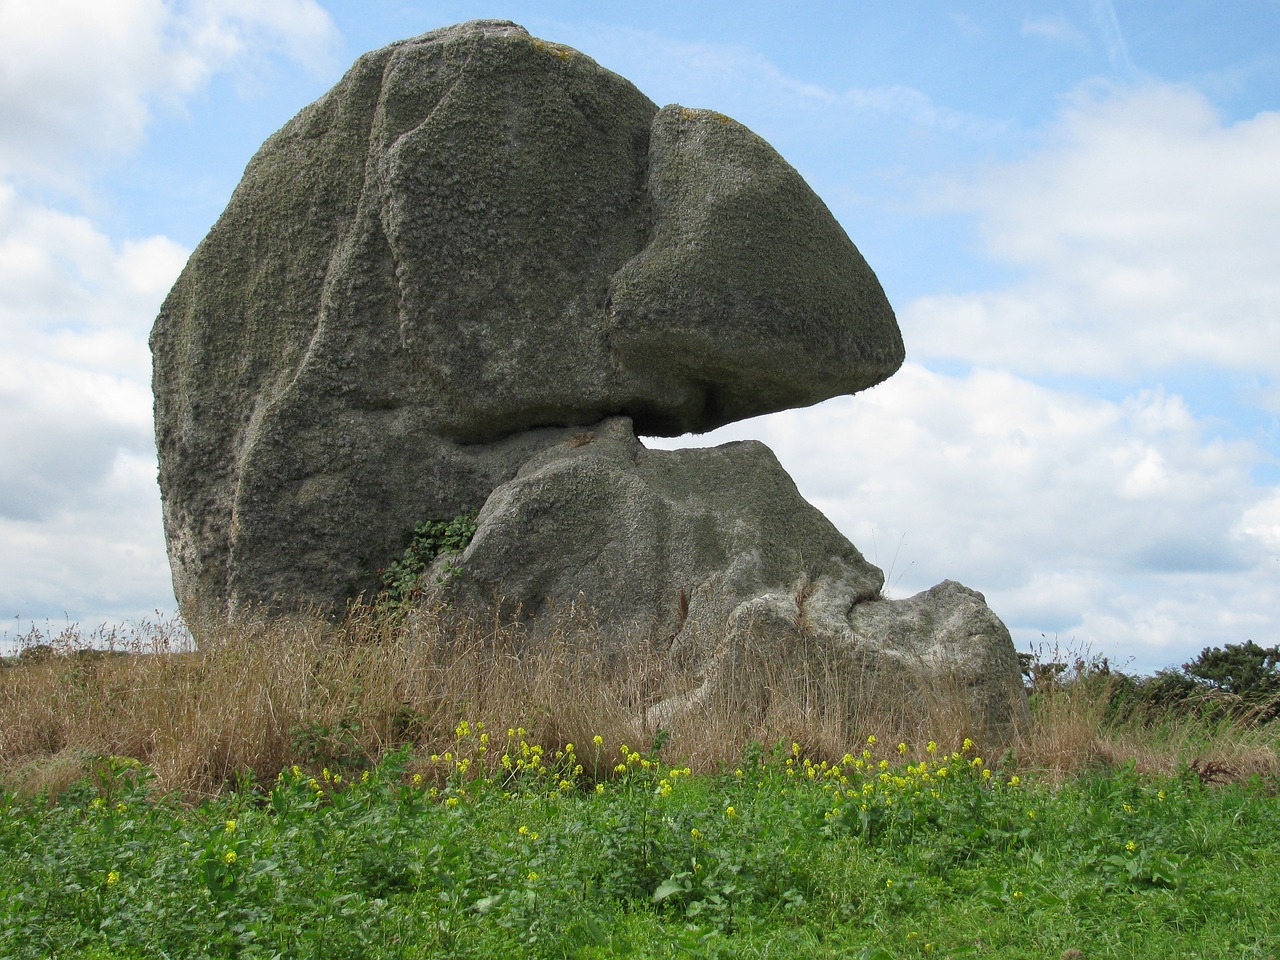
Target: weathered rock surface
<point>715,555</point>
<point>654,539</point>
<point>476,241</point>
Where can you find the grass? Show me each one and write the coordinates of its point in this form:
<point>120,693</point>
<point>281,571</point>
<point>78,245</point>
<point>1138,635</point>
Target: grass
<point>378,789</point>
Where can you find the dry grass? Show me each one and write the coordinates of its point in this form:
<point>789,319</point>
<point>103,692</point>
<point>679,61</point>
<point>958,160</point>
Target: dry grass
<point>261,696</point>
<point>1071,731</point>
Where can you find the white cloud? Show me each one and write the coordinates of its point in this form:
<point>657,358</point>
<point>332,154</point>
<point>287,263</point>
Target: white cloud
<point>80,76</point>
<point>1261,523</point>
<point>79,506</point>
<point>1145,230</point>
<point>99,559</point>
<point>70,296</point>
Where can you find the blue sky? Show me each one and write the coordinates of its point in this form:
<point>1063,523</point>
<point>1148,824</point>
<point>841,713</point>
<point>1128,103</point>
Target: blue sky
<point>1071,205</point>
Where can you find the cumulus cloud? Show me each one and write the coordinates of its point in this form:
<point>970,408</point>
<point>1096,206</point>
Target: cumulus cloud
<point>1144,230</point>
<point>1261,524</point>
<point>79,507</point>
<point>97,558</point>
<point>81,76</point>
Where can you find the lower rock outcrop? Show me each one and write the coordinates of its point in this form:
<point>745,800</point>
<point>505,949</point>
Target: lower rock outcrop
<point>713,556</point>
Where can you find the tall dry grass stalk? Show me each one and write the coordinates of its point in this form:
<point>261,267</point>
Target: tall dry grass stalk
<point>260,696</point>
<point>1075,728</point>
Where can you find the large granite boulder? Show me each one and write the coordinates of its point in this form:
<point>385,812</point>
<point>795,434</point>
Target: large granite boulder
<point>474,244</point>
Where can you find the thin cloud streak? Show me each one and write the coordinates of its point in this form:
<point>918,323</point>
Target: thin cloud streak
<point>1108,27</point>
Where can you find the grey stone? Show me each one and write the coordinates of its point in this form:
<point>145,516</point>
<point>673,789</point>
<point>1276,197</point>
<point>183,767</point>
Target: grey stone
<point>652,539</point>
<point>941,654</point>
<point>713,558</point>
<point>476,242</point>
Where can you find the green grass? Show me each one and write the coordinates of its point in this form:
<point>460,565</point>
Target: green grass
<point>501,847</point>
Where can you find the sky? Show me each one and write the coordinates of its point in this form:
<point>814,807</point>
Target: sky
<point>1071,205</point>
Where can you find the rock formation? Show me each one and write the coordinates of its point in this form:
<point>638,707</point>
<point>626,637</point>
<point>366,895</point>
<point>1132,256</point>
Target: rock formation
<point>476,249</point>
<point>716,555</point>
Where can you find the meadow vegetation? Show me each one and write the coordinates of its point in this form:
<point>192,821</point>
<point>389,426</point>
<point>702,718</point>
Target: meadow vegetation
<point>416,786</point>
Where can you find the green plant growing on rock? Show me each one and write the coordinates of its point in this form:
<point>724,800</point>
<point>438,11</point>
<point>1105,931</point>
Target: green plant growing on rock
<point>403,580</point>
